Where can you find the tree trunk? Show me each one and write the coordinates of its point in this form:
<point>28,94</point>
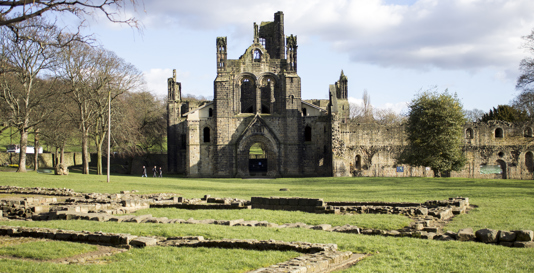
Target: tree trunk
<point>62,154</point>
<point>85,153</point>
<point>99,155</point>
<point>23,145</point>
<point>55,157</point>
<point>36,153</point>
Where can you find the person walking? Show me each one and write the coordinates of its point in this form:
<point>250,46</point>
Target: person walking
<point>160,172</point>
<point>155,171</point>
<point>144,172</point>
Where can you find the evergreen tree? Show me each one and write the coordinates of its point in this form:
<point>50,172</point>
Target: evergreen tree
<point>506,113</point>
<point>435,133</point>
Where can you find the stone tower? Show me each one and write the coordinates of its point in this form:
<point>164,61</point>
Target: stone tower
<point>257,102</point>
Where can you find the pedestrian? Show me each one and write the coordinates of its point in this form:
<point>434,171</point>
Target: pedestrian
<point>155,171</point>
<point>144,172</point>
<point>160,172</point>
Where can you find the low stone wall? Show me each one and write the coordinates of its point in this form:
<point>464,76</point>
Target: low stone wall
<point>289,204</point>
<point>316,258</point>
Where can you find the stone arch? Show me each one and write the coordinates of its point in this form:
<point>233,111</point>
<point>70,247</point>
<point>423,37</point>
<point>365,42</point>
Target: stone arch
<point>499,133</point>
<point>247,84</point>
<point>268,91</point>
<point>529,161</point>
<point>469,133</point>
<point>503,168</point>
<point>206,134</point>
<point>270,149</point>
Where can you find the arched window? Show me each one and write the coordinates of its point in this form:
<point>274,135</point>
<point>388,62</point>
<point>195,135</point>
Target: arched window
<point>207,134</point>
<point>307,133</point>
<point>499,133</point>
<point>469,133</point>
<point>257,55</point>
<point>528,132</point>
<point>210,112</point>
<point>529,162</point>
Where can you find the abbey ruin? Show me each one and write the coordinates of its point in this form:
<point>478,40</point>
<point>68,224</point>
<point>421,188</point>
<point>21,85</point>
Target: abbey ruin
<point>257,105</point>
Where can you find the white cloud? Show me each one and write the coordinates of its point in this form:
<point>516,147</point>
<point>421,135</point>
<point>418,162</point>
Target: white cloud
<point>446,34</point>
<point>156,80</point>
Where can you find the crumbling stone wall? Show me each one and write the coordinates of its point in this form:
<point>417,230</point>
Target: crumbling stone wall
<point>372,150</point>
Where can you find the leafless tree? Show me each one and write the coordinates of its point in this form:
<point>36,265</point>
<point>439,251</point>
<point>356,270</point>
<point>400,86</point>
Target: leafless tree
<point>13,12</point>
<point>142,124</point>
<point>23,59</point>
<point>93,74</point>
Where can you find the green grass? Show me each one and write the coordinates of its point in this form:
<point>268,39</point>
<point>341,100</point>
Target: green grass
<point>377,221</point>
<point>388,254</point>
<point>502,204</point>
<point>46,250</point>
<point>164,259</point>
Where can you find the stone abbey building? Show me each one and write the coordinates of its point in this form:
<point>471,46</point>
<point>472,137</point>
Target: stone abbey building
<point>258,125</point>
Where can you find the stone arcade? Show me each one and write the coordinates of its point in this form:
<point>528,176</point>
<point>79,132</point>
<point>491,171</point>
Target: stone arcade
<point>257,103</point>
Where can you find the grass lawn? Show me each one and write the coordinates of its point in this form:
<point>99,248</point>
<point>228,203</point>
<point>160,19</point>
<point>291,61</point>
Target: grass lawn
<point>502,204</point>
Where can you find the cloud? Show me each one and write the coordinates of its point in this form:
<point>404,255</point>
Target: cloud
<point>156,80</point>
<point>446,34</point>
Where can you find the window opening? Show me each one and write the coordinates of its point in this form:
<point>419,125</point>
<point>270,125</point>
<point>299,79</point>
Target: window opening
<point>210,112</point>
<point>307,133</point>
<point>206,134</point>
<point>499,133</point>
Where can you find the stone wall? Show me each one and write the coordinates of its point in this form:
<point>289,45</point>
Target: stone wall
<point>372,150</point>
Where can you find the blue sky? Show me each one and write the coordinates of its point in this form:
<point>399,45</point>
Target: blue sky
<point>392,49</point>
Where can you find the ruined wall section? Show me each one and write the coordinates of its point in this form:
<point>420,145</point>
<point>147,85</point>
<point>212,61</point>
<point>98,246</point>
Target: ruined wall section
<point>372,150</point>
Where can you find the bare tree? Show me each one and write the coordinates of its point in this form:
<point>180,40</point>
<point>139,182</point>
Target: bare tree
<point>473,115</point>
<point>16,11</point>
<point>142,124</point>
<point>115,77</point>
<point>23,92</point>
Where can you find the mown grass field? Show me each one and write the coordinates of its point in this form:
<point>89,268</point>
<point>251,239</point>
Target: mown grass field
<point>501,204</point>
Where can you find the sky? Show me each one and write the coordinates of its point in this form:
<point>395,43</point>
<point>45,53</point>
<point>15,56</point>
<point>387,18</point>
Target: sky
<point>392,49</point>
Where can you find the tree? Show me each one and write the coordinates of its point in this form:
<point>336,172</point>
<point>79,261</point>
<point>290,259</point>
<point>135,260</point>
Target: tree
<point>142,123</point>
<point>473,115</point>
<point>435,133</point>
<point>15,11</point>
<point>525,82</point>
<point>27,52</point>
<point>505,113</point>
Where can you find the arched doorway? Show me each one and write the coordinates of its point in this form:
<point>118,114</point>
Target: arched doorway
<point>257,160</point>
<point>255,149</point>
<point>503,168</point>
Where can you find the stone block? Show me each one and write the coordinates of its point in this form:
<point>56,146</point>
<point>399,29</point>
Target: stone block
<point>524,244</point>
<point>322,227</point>
<point>524,235</point>
<point>466,234</point>
<point>507,236</point>
<point>507,244</point>
<point>143,242</point>
<point>421,211</point>
<point>487,235</point>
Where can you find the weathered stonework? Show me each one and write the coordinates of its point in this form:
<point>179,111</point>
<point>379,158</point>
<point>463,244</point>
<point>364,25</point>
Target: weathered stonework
<point>257,100</point>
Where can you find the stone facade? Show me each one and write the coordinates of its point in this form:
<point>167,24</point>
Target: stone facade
<point>257,102</point>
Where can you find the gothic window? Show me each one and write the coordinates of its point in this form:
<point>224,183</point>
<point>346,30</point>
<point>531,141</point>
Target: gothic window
<point>262,41</point>
<point>210,112</point>
<point>469,133</point>
<point>206,134</point>
<point>499,133</point>
<point>307,133</point>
